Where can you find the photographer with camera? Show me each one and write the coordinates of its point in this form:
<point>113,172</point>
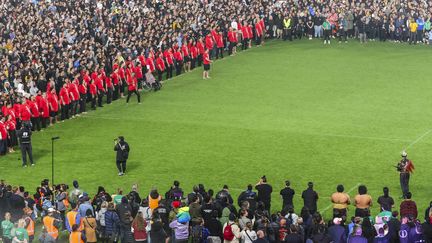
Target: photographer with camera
<point>122,149</point>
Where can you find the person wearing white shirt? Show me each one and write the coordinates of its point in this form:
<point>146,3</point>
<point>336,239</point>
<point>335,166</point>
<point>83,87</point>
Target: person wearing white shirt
<point>248,235</point>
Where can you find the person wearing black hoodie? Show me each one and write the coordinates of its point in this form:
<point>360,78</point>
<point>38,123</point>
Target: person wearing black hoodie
<point>385,201</point>
<point>214,226</point>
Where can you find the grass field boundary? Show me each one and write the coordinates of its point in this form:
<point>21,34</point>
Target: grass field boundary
<point>331,204</point>
<point>418,139</point>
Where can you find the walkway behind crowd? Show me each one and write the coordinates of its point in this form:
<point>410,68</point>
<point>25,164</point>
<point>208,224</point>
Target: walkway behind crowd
<point>206,215</point>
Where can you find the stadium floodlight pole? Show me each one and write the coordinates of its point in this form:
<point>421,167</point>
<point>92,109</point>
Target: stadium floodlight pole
<point>52,158</point>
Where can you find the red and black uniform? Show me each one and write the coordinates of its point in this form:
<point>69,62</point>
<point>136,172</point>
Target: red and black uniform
<point>65,103</point>
<point>245,35</point>
<point>35,115</point>
<point>11,129</point>
<point>185,53</point>
<point>25,114</point>
<point>98,81</point>
<point>44,108</point>
<point>74,97</point>
<point>3,138</point>
<point>219,45</point>
<point>122,75</point>
<point>259,33</point>
<point>82,88</point>
<point>179,61</point>
<point>200,48</point>
<point>169,58</point>
<point>232,38</point>
<point>53,102</point>
<point>109,89</point>
<point>194,55</point>
<point>209,43</point>
<point>132,87</point>
<point>206,61</point>
<point>160,67</point>
<point>93,94</point>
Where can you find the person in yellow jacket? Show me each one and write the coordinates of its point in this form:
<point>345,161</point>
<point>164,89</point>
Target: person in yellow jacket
<point>76,236</point>
<point>287,26</point>
<point>51,224</point>
<point>413,31</point>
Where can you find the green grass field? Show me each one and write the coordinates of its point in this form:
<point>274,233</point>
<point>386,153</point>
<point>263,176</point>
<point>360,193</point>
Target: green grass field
<point>299,111</point>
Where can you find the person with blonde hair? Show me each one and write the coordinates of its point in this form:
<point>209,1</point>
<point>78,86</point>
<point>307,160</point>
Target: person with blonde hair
<point>21,235</point>
<point>248,235</point>
<point>139,228</point>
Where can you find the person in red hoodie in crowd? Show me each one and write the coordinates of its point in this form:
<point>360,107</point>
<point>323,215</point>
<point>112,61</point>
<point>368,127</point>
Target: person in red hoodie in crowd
<point>44,110</point>
<point>232,38</point>
<point>169,58</point>
<point>206,62</point>
<point>139,75</point>
<point>186,56</point>
<point>35,115</point>
<point>11,129</point>
<point>132,87</point>
<point>115,81</point>
<point>200,48</point>
<point>250,35</point>
<point>245,36</point>
<point>178,59</point>
<point>74,97</point>
<point>122,80</point>
<point>193,53</point>
<point>93,94</point>
<point>25,113</point>
<point>100,89</point>
<point>82,88</point>
<point>3,136</point>
<point>64,101</point>
<point>219,45</point>
<point>53,102</point>
<point>160,66</point>
<point>209,45</point>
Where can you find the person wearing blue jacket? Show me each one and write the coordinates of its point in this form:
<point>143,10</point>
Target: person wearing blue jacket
<point>420,29</point>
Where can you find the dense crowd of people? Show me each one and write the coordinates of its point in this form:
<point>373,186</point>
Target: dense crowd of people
<point>205,216</point>
<point>57,56</point>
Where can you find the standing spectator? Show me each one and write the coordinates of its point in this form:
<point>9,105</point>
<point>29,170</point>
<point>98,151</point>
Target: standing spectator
<point>45,237</point>
<point>248,196</point>
<point>408,207</point>
<point>327,31</point>
<point>206,63</point>
<point>337,231</point>
<point>248,235</point>
<point>6,228</point>
<point>385,201</point>
<point>122,154</point>
<point>139,228</point>
<point>231,231</point>
<point>287,195</point>
<point>112,222</point>
<point>90,225</point>
<point>310,198</point>
<point>181,231</point>
<point>412,31</point>
<point>76,236</point>
<point>264,192</point>
<point>362,202</point>
<point>20,233</point>
<point>24,135</point>
<point>357,236</point>
<point>340,202</point>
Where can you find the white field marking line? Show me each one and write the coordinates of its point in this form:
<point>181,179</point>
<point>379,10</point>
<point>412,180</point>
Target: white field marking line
<point>318,134</point>
<point>418,139</point>
<point>331,204</point>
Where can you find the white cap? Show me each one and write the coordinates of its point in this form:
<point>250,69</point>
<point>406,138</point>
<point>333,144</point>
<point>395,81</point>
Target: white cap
<point>404,154</point>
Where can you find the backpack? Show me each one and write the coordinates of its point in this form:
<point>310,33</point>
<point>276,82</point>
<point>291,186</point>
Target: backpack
<point>228,233</point>
<point>197,234</point>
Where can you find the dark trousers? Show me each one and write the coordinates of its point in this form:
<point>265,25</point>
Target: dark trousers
<point>36,123</point>
<point>199,59</point>
<point>219,52</point>
<point>413,37</point>
<point>3,146</point>
<point>130,92</point>
<point>327,35</point>
<point>44,121</point>
<point>338,213</point>
<point>109,95</point>
<point>404,182</point>
<point>93,102</point>
<point>116,92</point>
<point>231,47</point>
<point>73,107</point>
<point>244,44</point>
<point>26,148</point>
<point>362,213</point>
<point>99,98</point>
<point>65,112</point>
<point>179,66</point>
<point>121,166</point>
<point>159,77</point>
<point>193,63</point>
<point>83,103</point>
<point>169,72</point>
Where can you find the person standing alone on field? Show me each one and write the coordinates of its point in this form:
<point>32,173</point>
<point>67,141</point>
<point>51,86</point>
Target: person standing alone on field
<point>24,135</point>
<point>405,167</point>
<point>122,149</point>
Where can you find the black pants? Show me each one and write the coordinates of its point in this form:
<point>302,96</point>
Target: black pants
<point>130,92</point>
<point>404,182</point>
<point>327,35</point>
<point>26,148</point>
<point>193,63</point>
<point>109,95</point>
<point>65,112</point>
<point>359,212</point>
<point>121,166</point>
<point>3,146</point>
<point>179,66</point>
<point>83,103</point>
<point>339,213</point>
<point>73,107</point>
<point>116,92</point>
<point>36,123</point>
<point>199,59</point>
<point>169,72</point>
<point>93,102</point>
<point>99,98</point>
<point>159,75</point>
<point>44,121</point>
<point>231,47</point>
<point>244,44</point>
<point>219,52</point>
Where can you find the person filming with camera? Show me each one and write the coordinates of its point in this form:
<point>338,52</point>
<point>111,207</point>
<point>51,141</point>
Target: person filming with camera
<point>122,149</point>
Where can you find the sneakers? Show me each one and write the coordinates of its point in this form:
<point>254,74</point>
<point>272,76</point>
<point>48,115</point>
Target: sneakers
<point>24,166</point>
<point>32,164</point>
<point>121,174</point>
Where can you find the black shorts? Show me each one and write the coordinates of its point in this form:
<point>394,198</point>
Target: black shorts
<point>206,67</point>
<point>53,113</point>
<point>186,59</point>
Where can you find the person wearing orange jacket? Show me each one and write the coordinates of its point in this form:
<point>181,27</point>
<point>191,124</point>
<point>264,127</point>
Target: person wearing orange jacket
<point>51,224</point>
<point>30,224</point>
<point>76,236</point>
<point>73,217</point>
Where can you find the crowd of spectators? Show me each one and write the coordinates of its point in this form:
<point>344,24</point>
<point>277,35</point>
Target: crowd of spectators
<point>205,216</point>
<point>57,56</point>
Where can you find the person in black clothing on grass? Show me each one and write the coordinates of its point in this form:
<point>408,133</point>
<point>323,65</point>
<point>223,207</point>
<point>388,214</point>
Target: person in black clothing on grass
<point>385,201</point>
<point>310,198</point>
<point>122,149</point>
<point>24,135</point>
<point>264,192</point>
<point>287,196</point>
<point>248,196</point>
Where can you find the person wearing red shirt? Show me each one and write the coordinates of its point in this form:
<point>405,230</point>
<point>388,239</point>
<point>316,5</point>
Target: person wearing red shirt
<point>122,76</point>
<point>259,32</point>
<point>93,94</point>
<point>209,44</point>
<point>206,62</point>
<point>53,102</point>
<point>82,88</point>
<point>186,57</point>
<point>179,61</point>
<point>35,116</point>
<point>64,101</point>
<point>11,129</point>
<point>232,38</point>
<point>100,89</point>
<point>219,45</point>
<point>44,108</point>
<point>193,53</point>
<point>169,58</point>
<point>245,36</point>
<point>74,97</point>
<point>250,35</point>
<point>139,75</point>
<point>115,80</point>
<point>132,87</point>
<point>25,113</point>
<point>3,136</point>
<point>200,48</point>
<point>150,63</point>
<point>160,66</point>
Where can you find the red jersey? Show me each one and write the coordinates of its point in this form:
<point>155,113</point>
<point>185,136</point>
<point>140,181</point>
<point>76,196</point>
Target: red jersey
<point>86,78</point>
<point>53,102</point>
<point>10,125</point>
<point>178,55</point>
<point>17,109</point>
<point>132,83</point>
<point>142,60</point>
<point>25,112</point>
<point>73,91</point>
<point>219,41</point>
<point>249,31</point>
<point>10,112</point>
<point>214,34</point>
<point>200,47</point>
<point>193,52</point>
<point>3,131</point>
<point>150,64</point>
<point>209,42</point>
<point>99,84</point>
<point>185,51</point>
<point>169,57</point>
<point>33,108</point>
<point>115,78</point>
<point>44,107</point>
<point>206,58</point>
<point>138,72</point>
<point>93,89</point>
<point>108,82</point>
<point>160,64</point>
<point>232,36</point>
<point>244,32</point>
<point>64,96</point>
<point>121,73</point>
<point>258,29</point>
